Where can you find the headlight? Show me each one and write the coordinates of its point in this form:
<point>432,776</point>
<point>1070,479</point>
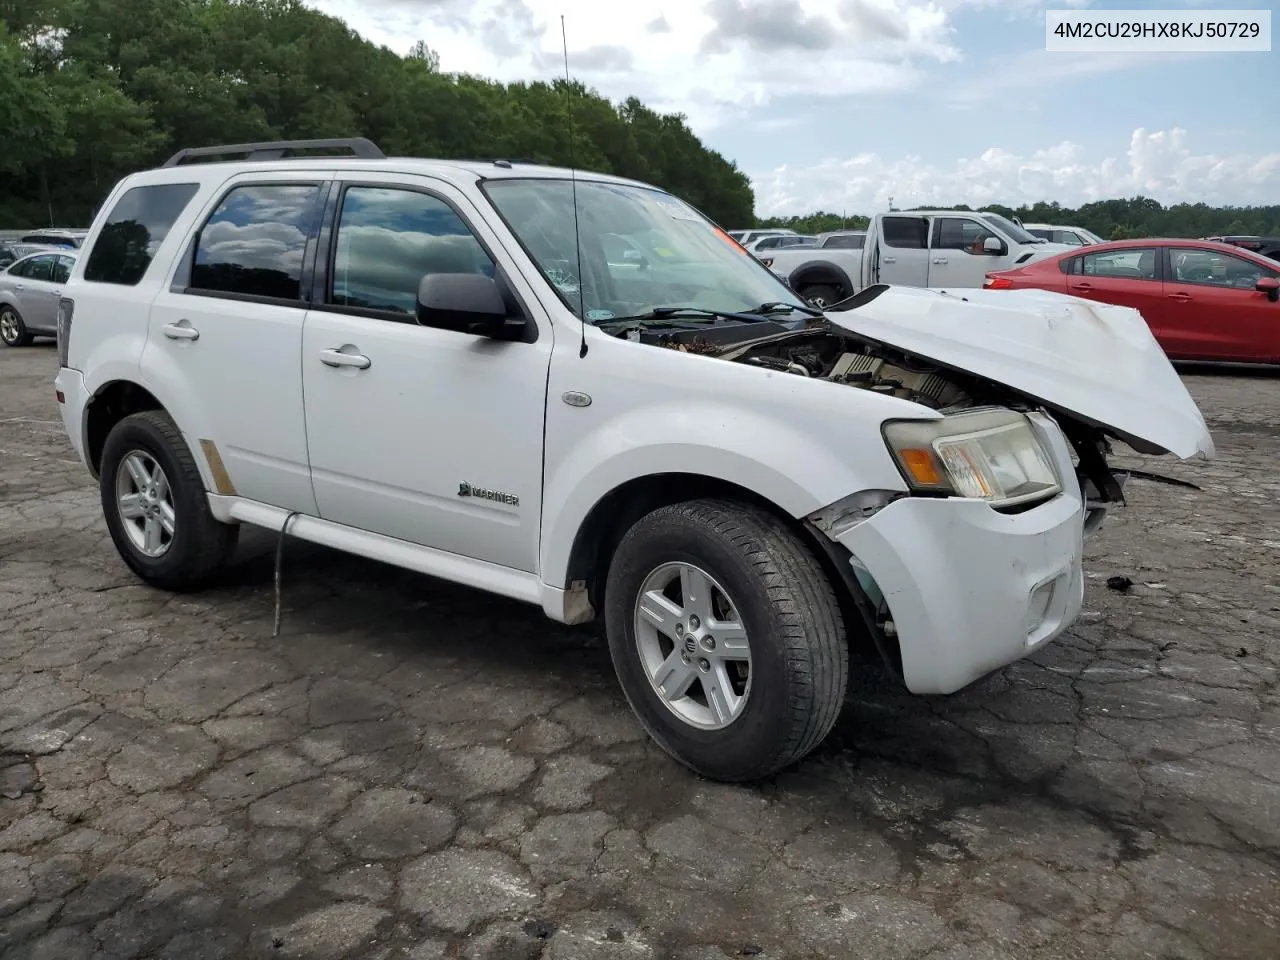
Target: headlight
<point>993,455</point>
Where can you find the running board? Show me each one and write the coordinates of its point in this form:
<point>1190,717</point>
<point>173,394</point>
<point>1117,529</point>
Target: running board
<point>465,571</point>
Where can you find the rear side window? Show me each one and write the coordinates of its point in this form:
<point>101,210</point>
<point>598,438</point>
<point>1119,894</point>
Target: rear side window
<point>40,268</point>
<point>908,232</point>
<point>134,230</point>
<point>253,243</point>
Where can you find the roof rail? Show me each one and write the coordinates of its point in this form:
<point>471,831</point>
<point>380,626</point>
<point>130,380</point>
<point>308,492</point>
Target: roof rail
<point>360,147</point>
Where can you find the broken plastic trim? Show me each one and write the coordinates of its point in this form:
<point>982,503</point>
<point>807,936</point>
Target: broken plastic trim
<point>837,519</point>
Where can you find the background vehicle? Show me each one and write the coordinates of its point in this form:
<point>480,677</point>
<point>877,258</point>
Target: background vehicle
<point>782,241</point>
<point>745,237</point>
<point>1268,247</point>
<point>29,291</point>
<point>53,239</point>
<point>946,248</point>
<point>1072,236</point>
<point>1203,300</point>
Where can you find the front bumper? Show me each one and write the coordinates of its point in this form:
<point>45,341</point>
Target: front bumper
<point>970,589</point>
<point>74,398</point>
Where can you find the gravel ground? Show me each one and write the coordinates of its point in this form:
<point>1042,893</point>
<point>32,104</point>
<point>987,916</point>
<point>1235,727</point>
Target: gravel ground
<point>414,770</point>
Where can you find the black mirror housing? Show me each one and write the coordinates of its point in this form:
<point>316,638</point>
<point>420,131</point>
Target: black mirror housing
<point>468,303</point>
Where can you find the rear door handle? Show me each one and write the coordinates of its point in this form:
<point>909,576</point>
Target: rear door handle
<point>182,330</point>
<point>890,259</point>
<point>1181,297</point>
<point>336,358</point>
<point>940,260</point>
<point>1082,286</point>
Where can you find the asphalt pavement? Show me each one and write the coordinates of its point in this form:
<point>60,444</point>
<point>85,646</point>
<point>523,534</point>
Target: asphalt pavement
<point>414,770</point>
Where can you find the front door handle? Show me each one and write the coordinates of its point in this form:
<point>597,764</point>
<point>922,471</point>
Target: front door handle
<point>890,259</point>
<point>1082,286</point>
<point>336,358</point>
<point>182,330</point>
<point>940,260</point>
<point>1180,297</point>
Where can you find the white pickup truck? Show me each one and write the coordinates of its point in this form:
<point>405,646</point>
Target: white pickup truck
<point>943,249</point>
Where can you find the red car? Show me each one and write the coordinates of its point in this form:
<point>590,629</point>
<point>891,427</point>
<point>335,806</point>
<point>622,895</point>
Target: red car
<point>1203,300</point>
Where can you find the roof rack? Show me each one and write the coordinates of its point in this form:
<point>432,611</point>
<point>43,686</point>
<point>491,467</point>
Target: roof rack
<point>360,147</point>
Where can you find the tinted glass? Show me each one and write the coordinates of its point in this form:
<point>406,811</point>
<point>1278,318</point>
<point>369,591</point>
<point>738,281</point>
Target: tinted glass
<point>1133,264</point>
<point>40,268</point>
<point>1215,269</point>
<point>389,239</point>
<point>909,232</point>
<point>62,269</point>
<point>134,230</point>
<point>253,243</point>
<point>961,233</point>
<point>852,242</point>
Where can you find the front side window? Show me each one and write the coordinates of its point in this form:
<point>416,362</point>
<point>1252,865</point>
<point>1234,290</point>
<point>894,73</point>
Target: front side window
<point>1009,228</point>
<point>134,230</point>
<point>961,233</point>
<point>1214,269</point>
<point>683,259</point>
<point>1131,264</point>
<point>389,239</point>
<point>253,243</point>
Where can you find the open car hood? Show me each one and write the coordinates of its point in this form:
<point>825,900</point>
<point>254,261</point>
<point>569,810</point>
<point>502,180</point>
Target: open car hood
<point>1096,362</point>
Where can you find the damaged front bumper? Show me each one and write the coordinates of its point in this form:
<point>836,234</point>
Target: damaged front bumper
<point>965,589</point>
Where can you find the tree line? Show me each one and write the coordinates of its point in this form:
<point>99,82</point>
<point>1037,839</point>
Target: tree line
<point>1109,219</point>
<point>91,90</point>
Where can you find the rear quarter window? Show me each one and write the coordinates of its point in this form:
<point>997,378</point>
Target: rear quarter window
<point>134,230</point>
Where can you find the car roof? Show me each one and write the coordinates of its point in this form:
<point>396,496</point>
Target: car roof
<point>453,170</point>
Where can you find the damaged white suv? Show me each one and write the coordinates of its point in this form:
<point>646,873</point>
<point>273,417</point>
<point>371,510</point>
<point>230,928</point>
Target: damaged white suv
<point>580,393</point>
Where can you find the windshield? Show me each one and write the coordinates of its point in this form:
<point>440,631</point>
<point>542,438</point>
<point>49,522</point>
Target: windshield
<point>1010,229</point>
<point>641,249</point>
<point>1090,234</point>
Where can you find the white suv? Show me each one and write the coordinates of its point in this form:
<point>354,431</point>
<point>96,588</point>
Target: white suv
<point>435,364</point>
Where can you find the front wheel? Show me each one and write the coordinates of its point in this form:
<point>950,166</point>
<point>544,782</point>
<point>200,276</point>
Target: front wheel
<point>821,295</point>
<point>155,504</point>
<point>726,637</point>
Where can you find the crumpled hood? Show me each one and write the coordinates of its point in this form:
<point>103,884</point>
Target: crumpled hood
<point>1096,361</point>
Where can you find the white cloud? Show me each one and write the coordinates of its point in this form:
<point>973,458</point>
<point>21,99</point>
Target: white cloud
<point>1159,164</point>
<point>706,59</point>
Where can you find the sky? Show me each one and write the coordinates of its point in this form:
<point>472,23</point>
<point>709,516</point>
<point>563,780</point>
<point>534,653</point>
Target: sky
<point>841,105</point>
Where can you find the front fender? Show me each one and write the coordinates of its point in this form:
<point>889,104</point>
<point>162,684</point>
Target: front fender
<point>800,470</point>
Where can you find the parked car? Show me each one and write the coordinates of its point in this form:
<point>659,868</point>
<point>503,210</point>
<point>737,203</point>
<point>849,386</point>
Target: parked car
<point>436,364</point>
<point>781,241</point>
<point>1072,236</point>
<point>746,237</point>
<point>1268,247</point>
<point>1203,300</point>
<point>946,249</point>
<point>43,240</point>
<point>29,292</point>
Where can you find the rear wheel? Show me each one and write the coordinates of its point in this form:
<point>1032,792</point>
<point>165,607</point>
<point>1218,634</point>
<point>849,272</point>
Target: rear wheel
<point>726,637</point>
<point>821,295</point>
<point>13,332</point>
<point>155,504</point>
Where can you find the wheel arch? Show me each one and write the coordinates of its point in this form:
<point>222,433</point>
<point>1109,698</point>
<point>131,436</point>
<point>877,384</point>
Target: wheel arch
<point>111,403</point>
<point>613,515</point>
<point>821,271</point>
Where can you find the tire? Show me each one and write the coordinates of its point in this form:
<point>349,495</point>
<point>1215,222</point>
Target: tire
<point>13,332</point>
<point>798,652</point>
<point>197,544</point>
<point>821,295</point>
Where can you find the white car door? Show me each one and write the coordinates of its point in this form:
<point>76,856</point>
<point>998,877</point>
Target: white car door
<point>428,435</point>
<point>225,337</point>
<point>959,255</point>
<point>902,251</point>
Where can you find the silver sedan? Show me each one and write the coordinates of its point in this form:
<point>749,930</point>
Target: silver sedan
<point>29,292</point>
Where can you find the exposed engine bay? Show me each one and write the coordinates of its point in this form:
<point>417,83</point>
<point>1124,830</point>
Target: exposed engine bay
<point>826,352</point>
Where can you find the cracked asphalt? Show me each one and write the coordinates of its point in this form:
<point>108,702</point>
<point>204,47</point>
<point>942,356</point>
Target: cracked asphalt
<point>414,770</point>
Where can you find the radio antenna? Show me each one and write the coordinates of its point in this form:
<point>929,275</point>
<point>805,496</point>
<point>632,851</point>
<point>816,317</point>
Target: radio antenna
<point>573,180</point>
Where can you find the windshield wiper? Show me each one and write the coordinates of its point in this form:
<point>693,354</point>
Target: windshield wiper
<point>662,314</point>
<point>777,306</point>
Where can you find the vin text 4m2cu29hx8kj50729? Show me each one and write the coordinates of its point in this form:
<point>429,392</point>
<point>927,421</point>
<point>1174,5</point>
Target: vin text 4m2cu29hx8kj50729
<point>576,391</point>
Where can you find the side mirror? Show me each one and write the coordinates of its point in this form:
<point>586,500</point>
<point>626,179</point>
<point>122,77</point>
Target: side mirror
<point>993,245</point>
<point>1270,286</point>
<point>468,303</point>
